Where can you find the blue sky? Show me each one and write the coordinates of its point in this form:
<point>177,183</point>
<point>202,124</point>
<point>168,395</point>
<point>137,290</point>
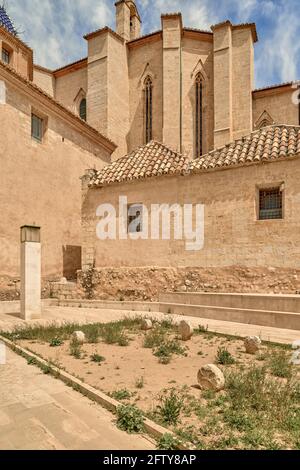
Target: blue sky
<point>54,28</point>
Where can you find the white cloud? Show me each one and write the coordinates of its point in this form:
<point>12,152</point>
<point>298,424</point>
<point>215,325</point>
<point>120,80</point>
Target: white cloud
<point>54,28</point>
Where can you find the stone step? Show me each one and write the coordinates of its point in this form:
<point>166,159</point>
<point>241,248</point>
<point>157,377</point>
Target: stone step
<point>276,319</point>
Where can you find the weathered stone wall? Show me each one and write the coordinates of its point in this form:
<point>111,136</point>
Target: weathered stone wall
<point>40,182</point>
<point>20,55</point>
<point>234,237</point>
<point>148,283</point>
<point>45,80</point>
<point>138,58</point>
<point>197,56</point>
<point>68,86</point>
<point>278,104</point>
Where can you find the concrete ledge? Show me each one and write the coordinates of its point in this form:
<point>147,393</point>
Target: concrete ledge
<point>267,302</point>
<point>111,305</point>
<point>93,394</point>
<point>14,307</point>
<point>285,320</point>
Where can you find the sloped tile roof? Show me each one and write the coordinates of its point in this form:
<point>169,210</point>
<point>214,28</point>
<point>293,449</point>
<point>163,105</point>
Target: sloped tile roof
<point>153,159</point>
<point>264,145</point>
<point>6,22</point>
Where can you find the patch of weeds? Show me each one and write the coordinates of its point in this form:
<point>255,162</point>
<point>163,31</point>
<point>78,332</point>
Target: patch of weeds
<point>239,420</point>
<point>200,353</point>
<point>97,358</point>
<point>45,368</point>
<point>201,330</point>
<point>171,405</point>
<point>75,348</point>
<point>123,340</point>
<point>168,442</point>
<point>120,395</point>
<point>113,333</point>
<point>165,351</point>
<point>279,364</point>
<point>212,427</point>
<point>92,334</point>
<point>208,394</point>
<point>56,342</point>
<point>188,435</point>
<point>263,356</point>
<point>167,324</point>
<point>227,442</point>
<point>130,419</point>
<point>139,383</point>
<point>154,338</point>
<point>31,361</point>
<point>224,357</point>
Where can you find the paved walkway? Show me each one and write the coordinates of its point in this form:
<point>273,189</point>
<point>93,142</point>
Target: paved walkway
<point>83,315</point>
<point>38,412</point>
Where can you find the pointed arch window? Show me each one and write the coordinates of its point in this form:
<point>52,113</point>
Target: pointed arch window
<point>199,86</point>
<point>148,109</point>
<point>82,109</point>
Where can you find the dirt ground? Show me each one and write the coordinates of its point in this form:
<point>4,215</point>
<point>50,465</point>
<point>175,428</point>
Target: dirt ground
<point>124,366</point>
<point>259,408</point>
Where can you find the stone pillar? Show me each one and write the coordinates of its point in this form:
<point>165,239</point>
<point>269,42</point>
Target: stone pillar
<point>30,273</point>
<point>223,83</point>
<point>233,81</point>
<point>172,102</point>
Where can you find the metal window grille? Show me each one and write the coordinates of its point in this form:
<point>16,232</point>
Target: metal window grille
<point>134,221</point>
<point>36,127</point>
<point>270,204</point>
<point>148,109</point>
<point>5,56</point>
<point>82,109</point>
<point>199,116</point>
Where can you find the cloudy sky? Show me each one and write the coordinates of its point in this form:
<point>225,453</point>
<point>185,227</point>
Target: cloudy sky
<point>54,28</point>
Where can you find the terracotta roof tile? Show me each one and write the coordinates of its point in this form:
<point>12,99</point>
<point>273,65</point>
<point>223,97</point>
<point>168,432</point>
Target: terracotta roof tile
<point>153,159</point>
<point>268,144</point>
<point>264,145</point>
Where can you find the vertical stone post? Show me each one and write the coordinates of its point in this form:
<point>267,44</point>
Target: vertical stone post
<point>30,273</point>
<point>172,100</point>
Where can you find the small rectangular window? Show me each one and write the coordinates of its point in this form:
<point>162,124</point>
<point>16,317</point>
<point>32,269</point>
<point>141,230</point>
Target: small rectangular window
<point>37,127</point>
<point>135,218</point>
<point>270,204</point>
<point>5,56</point>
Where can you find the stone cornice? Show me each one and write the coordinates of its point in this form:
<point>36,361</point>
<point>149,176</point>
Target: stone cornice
<point>274,90</point>
<point>19,44</point>
<point>101,31</point>
<point>78,65</point>
<point>34,92</point>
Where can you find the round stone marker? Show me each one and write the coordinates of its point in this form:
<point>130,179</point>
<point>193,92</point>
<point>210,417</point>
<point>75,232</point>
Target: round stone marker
<point>210,377</point>
<point>79,336</point>
<point>185,330</point>
<point>147,324</point>
<point>252,344</point>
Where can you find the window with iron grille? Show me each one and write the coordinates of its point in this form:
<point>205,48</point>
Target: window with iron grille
<point>36,128</point>
<point>199,115</point>
<point>82,109</point>
<point>5,56</point>
<point>148,109</point>
<point>135,215</point>
<point>270,204</point>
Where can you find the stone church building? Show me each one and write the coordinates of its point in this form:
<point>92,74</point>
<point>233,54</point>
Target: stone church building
<point>171,117</point>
